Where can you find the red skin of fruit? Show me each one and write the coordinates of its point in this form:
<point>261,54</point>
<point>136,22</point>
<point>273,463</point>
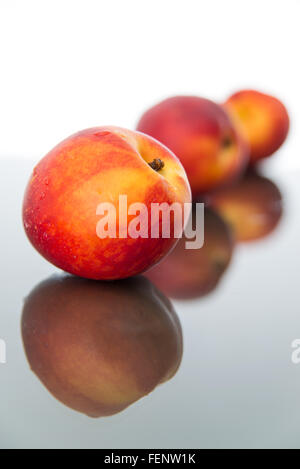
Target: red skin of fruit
<point>252,207</point>
<point>193,273</point>
<point>262,119</point>
<point>93,166</point>
<point>100,346</point>
<point>203,137</point>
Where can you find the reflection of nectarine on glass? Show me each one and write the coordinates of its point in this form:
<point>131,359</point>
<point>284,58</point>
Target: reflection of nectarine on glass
<point>100,346</point>
<point>190,273</point>
<point>262,119</point>
<point>203,137</point>
<point>253,207</point>
<point>85,171</point>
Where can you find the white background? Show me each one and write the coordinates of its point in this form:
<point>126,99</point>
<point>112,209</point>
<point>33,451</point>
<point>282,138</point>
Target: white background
<point>66,65</point>
<point>70,64</point>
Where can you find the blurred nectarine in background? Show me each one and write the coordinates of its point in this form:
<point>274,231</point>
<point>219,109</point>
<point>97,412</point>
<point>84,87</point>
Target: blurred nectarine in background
<point>100,346</point>
<point>262,119</point>
<point>202,136</point>
<point>253,206</point>
<point>190,273</point>
<point>95,167</point>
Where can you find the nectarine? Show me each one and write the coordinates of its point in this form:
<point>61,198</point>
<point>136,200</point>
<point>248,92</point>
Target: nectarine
<point>100,346</point>
<point>94,168</point>
<point>203,137</point>
<point>262,119</point>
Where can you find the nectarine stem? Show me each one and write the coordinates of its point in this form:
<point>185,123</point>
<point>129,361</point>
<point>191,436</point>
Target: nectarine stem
<point>157,164</point>
<point>226,142</point>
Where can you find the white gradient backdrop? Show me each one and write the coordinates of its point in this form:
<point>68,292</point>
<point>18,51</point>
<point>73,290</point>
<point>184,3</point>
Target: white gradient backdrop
<point>70,64</point>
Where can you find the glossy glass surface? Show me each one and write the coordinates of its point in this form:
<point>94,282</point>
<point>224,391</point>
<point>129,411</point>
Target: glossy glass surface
<point>236,385</point>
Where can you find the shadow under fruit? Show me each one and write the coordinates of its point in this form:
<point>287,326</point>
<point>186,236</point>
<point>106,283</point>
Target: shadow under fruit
<point>99,346</point>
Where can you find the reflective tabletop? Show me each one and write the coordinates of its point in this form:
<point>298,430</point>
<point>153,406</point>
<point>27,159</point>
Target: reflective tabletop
<point>233,384</point>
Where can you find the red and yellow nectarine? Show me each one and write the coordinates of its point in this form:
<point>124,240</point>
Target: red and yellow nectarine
<point>252,207</point>
<point>202,136</point>
<point>262,119</point>
<point>93,167</point>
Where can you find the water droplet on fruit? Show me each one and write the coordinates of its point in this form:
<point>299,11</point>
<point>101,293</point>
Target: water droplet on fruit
<point>46,181</point>
<point>42,196</point>
<point>102,133</point>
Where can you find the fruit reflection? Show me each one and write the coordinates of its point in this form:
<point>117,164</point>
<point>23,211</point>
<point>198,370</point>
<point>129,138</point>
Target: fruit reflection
<point>191,273</point>
<point>253,206</point>
<point>100,346</point>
